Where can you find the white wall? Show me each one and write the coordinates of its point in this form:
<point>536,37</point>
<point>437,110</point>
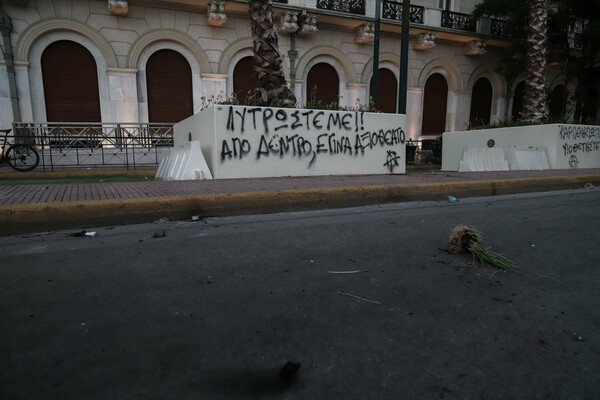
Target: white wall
<point>567,146</point>
<point>246,142</point>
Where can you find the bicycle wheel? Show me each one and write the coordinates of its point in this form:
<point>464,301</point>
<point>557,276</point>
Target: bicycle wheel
<point>22,157</point>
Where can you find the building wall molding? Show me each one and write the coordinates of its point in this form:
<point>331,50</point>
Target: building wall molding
<point>47,25</point>
<point>167,35</point>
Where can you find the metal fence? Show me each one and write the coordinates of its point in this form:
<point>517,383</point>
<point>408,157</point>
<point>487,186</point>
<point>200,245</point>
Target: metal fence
<point>67,145</point>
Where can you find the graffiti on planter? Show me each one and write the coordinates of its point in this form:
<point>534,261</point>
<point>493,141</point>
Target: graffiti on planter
<point>578,139</point>
<point>573,161</point>
<point>305,134</point>
<point>391,160</point>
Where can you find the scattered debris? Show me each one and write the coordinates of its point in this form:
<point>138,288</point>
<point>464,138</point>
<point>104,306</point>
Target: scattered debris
<point>289,371</point>
<point>358,297</point>
<point>195,218</point>
<point>83,233</point>
<point>452,199</point>
<point>162,220</point>
<point>589,186</point>
<point>354,271</point>
<point>159,234</point>
<point>467,239</point>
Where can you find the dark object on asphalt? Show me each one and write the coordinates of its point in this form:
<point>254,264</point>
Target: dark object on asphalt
<point>289,371</point>
<point>159,234</point>
<point>83,233</point>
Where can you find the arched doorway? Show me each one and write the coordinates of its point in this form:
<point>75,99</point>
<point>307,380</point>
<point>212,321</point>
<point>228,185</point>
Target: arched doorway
<point>169,84</point>
<point>518,96</point>
<point>556,103</point>
<point>322,85</point>
<point>481,103</point>
<point>245,81</point>
<point>70,79</point>
<point>387,91</point>
<point>434,105</point>
<point>589,113</point>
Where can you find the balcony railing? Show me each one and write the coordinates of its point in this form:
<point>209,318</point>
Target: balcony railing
<point>499,27</point>
<point>393,10</point>
<point>72,144</point>
<point>347,6</point>
<point>458,21</point>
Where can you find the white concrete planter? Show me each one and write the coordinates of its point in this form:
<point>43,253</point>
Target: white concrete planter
<point>248,142</point>
<point>556,146</point>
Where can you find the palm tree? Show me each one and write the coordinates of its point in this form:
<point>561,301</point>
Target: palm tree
<point>272,87</point>
<point>525,20</point>
<point>534,101</point>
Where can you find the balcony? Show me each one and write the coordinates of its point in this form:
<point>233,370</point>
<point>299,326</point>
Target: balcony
<point>347,12</point>
<point>346,6</point>
<point>393,10</point>
<point>499,28</point>
<point>458,21</point>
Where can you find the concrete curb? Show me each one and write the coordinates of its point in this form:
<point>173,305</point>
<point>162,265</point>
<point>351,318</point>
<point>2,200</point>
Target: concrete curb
<point>78,173</point>
<point>25,218</point>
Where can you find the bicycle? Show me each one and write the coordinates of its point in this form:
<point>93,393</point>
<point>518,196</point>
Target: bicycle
<point>19,156</point>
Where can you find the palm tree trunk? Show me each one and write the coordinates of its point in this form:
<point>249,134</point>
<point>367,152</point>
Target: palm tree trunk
<point>272,90</point>
<point>535,109</point>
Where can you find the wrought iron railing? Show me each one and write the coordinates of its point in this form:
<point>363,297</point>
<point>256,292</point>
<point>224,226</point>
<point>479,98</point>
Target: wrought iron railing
<point>499,27</point>
<point>66,145</point>
<point>461,22</point>
<point>347,6</point>
<point>393,10</point>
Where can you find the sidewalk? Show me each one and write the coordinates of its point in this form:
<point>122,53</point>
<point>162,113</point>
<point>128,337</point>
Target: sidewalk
<point>50,206</point>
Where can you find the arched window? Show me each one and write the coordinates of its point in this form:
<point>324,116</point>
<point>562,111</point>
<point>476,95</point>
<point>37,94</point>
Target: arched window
<point>322,85</point>
<point>70,81</point>
<point>169,83</point>
<point>245,81</point>
<point>556,102</point>
<point>590,106</point>
<point>481,103</point>
<point>434,105</point>
<point>387,91</point>
<point>517,108</point>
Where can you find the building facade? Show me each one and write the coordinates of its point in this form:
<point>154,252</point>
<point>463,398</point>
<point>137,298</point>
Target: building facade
<point>109,61</point>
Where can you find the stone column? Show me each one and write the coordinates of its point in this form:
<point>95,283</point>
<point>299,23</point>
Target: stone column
<point>354,92</point>
<point>214,87</point>
<point>26,103</point>
<point>123,99</point>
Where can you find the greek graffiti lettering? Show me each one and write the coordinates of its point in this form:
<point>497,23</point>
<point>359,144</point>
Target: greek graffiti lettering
<point>288,133</point>
<point>578,140</point>
<point>582,147</point>
<point>574,132</point>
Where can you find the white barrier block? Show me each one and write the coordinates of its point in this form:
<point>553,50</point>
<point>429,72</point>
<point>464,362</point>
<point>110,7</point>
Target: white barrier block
<point>483,159</point>
<point>527,158</point>
<point>184,162</point>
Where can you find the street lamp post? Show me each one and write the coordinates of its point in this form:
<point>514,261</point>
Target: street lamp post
<point>404,57</point>
<point>375,78</point>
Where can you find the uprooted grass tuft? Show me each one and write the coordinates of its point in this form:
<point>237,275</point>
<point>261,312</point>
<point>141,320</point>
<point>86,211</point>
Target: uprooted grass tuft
<point>467,239</point>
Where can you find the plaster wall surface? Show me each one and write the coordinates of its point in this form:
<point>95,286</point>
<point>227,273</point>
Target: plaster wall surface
<point>246,142</point>
<point>566,146</point>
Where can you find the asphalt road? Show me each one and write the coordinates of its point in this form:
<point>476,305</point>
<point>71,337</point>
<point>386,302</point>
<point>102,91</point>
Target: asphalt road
<point>216,307</point>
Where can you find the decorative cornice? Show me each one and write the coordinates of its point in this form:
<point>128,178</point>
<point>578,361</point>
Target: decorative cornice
<point>475,48</point>
<point>215,13</point>
<point>365,33</point>
<point>426,41</point>
<point>288,22</point>
<point>308,24</point>
<point>118,8</point>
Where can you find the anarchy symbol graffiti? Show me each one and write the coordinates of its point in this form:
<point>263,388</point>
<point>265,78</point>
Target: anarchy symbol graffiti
<point>573,161</point>
<point>392,160</point>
